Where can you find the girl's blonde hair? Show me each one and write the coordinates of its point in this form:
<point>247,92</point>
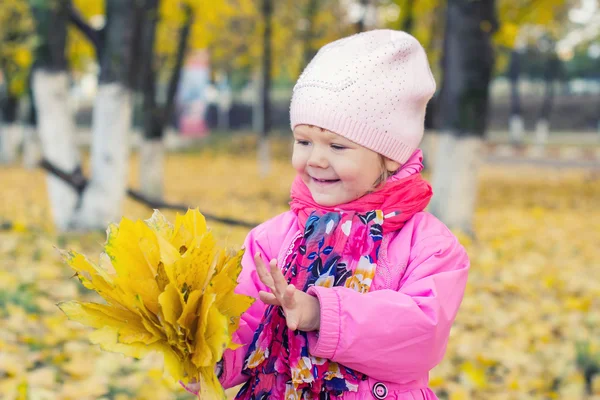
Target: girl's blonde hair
<point>385,174</point>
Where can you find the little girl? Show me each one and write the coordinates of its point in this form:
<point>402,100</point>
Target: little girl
<point>356,286</point>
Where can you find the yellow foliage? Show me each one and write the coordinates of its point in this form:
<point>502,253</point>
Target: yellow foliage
<point>514,15</point>
<point>23,57</point>
<point>232,32</point>
<point>507,34</point>
<point>17,86</point>
<point>208,23</point>
<point>16,44</point>
<point>168,289</point>
<point>89,8</point>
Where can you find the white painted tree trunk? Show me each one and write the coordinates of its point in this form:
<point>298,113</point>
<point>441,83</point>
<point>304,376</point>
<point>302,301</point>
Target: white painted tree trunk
<point>257,114</point>
<point>429,148</point>
<point>454,181</point>
<point>257,117</point>
<point>152,156</point>
<point>104,195</point>
<point>264,157</point>
<point>224,102</point>
<point>32,153</point>
<point>258,123</point>
<point>516,128</point>
<point>11,137</point>
<point>542,132</point>
<point>56,131</point>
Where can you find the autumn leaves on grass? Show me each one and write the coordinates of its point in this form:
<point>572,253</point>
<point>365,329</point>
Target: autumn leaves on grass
<point>167,289</point>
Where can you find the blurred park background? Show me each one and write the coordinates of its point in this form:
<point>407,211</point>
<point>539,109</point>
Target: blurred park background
<point>110,108</point>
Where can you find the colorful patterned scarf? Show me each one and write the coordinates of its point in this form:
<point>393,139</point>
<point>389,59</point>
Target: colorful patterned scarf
<point>338,248</point>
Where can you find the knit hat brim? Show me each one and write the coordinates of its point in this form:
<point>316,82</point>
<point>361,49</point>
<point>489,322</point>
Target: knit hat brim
<point>358,132</point>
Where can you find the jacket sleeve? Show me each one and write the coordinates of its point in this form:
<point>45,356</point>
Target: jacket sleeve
<point>248,284</point>
<point>396,336</point>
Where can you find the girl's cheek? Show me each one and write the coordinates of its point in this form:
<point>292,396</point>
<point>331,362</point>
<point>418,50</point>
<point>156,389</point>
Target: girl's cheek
<point>296,161</point>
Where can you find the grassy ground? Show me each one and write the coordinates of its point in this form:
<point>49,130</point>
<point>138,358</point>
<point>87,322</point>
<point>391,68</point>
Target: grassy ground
<point>532,296</point>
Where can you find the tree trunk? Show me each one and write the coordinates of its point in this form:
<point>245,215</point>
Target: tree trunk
<point>542,126</point>
<point>224,102</point>
<point>361,23</point>
<point>264,147</point>
<point>11,135</point>
<point>598,120</point>
<point>152,166</point>
<point>257,110</point>
<point>156,116</point>
<point>467,65</point>
<point>31,146</point>
<point>516,125</point>
<point>151,153</point>
<point>56,129</point>
<point>437,35</point>
<point>310,12</point>
<point>11,139</point>
<point>50,83</point>
<point>103,197</point>
<point>10,108</point>
<point>408,17</point>
<point>542,129</point>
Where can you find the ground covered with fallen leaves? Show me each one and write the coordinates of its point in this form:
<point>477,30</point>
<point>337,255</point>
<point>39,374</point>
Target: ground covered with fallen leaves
<point>529,326</point>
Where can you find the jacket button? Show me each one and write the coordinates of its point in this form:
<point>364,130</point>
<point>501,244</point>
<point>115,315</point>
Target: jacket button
<point>380,391</point>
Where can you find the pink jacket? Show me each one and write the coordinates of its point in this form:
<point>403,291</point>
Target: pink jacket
<point>397,332</point>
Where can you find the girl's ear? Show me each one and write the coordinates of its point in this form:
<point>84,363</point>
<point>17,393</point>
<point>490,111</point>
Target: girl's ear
<point>391,165</point>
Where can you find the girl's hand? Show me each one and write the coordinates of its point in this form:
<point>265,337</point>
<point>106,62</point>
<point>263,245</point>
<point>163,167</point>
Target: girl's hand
<point>302,311</point>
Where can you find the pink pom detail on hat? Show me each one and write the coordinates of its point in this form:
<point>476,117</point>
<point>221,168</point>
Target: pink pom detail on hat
<point>371,88</point>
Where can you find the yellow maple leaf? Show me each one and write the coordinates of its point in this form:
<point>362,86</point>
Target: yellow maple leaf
<point>168,289</point>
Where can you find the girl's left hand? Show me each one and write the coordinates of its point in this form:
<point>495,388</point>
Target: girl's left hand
<point>302,311</point>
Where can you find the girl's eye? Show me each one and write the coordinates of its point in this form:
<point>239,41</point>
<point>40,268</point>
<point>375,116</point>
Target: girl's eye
<point>338,147</point>
<point>302,142</point>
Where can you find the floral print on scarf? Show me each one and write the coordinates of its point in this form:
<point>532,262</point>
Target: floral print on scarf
<point>336,249</point>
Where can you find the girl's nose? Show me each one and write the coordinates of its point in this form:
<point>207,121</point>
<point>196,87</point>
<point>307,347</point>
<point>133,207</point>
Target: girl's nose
<point>317,158</point>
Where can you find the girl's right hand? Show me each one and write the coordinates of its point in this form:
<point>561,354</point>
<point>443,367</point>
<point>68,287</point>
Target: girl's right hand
<point>302,311</point>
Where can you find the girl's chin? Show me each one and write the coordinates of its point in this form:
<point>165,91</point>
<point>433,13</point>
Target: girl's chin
<point>331,199</point>
<point>328,200</point>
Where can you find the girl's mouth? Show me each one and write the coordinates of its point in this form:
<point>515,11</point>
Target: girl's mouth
<point>324,182</point>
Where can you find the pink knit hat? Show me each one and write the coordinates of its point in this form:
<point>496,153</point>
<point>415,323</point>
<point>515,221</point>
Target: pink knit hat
<point>371,88</point>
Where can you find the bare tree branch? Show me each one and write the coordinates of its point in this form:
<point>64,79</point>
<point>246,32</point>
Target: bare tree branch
<point>94,35</point>
<point>79,182</point>
<point>180,58</point>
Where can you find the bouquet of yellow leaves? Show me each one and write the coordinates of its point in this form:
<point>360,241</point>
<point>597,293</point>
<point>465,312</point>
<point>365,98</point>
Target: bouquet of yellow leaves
<point>167,289</point>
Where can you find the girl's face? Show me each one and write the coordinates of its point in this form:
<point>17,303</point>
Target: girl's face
<point>336,170</point>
